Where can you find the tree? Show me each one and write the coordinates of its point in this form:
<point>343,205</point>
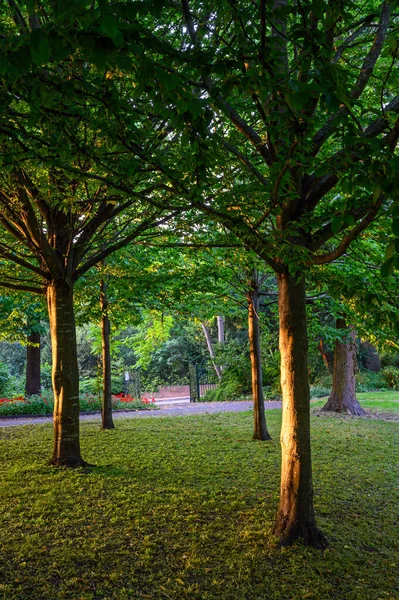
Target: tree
<point>260,429</point>
<point>343,394</point>
<point>21,320</point>
<point>302,100</point>
<point>106,407</point>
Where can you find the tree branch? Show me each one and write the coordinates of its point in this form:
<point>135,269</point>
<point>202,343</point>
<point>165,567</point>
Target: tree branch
<point>323,259</point>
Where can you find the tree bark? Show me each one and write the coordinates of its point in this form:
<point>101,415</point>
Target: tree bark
<point>65,376</point>
<point>220,322</point>
<point>32,382</point>
<point>106,409</point>
<point>327,356</point>
<point>295,516</point>
<point>343,394</point>
<point>260,428</point>
<point>211,351</point>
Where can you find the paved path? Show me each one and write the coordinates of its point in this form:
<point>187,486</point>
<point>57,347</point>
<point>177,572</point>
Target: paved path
<point>171,410</point>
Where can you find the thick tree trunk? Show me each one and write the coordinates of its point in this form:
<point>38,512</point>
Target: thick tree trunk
<point>32,382</point>
<point>343,394</point>
<point>295,517</point>
<point>211,350</point>
<point>106,409</point>
<point>260,429</point>
<point>65,375</point>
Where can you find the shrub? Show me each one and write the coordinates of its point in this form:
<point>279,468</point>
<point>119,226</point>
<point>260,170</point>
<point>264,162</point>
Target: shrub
<point>224,392</point>
<point>45,376</point>
<point>4,377</point>
<point>391,377</point>
<point>44,404</point>
<point>318,391</point>
<point>369,381</point>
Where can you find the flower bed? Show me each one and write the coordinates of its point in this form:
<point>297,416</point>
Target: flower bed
<point>44,404</point>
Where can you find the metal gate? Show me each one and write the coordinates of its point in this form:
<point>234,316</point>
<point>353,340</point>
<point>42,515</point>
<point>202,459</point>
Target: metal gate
<point>132,384</point>
<point>202,379</point>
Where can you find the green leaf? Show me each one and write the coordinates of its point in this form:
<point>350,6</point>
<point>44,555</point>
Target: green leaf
<point>395,227</point>
<point>390,251</point>
<point>195,107</point>
<point>109,27</point>
<point>336,224</point>
<point>39,47</point>
<point>387,267</point>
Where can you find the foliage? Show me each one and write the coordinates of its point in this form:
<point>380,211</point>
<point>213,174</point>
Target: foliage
<point>4,377</point>
<point>226,391</point>
<point>153,331</point>
<point>44,404</point>
<point>389,359</point>
<point>368,381</point>
<point>136,526</point>
<point>391,377</point>
<point>318,391</point>
<point>365,381</point>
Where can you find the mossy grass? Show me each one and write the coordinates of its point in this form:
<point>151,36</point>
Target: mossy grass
<point>183,507</point>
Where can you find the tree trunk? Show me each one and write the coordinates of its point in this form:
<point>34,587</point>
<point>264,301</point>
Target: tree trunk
<point>295,516</point>
<point>343,394</point>
<point>106,409</point>
<point>260,429</point>
<point>211,351</point>
<point>220,321</point>
<point>327,356</point>
<point>32,382</point>
<point>65,375</point>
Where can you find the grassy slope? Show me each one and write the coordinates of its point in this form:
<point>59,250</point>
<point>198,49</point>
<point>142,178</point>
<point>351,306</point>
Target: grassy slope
<point>183,508</point>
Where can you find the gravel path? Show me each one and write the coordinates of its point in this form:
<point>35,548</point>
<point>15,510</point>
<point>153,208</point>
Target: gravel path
<point>206,408</point>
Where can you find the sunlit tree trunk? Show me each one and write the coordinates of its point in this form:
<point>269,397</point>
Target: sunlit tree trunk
<point>260,429</point>
<point>65,376</point>
<point>32,382</point>
<point>343,394</point>
<point>295,516</point>
<point>106,409</point>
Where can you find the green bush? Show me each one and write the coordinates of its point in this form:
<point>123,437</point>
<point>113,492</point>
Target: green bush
<point>391,377</point>
<point>44,404</point>
<point>4,378</point>
<point>271,373</point>
<point>45,376</point>
<point>224,392</point>
<point>389,360</point>
<point>318,391</point>
<point>369,381</point>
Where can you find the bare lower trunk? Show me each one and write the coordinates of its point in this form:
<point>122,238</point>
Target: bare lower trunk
<point>260,429</point>
<point>295,517</point>
<point>106,409</point>
<point>32,383</point>
<point>220,322</point>
<point>211,351</point>
<point>343,394</point>
<point>65,376</point>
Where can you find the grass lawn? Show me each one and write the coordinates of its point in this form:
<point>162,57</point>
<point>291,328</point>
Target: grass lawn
<point>377,402</point>
<point>180,508</point>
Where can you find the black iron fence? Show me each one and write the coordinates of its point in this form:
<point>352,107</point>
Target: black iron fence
<point>202,379</point>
